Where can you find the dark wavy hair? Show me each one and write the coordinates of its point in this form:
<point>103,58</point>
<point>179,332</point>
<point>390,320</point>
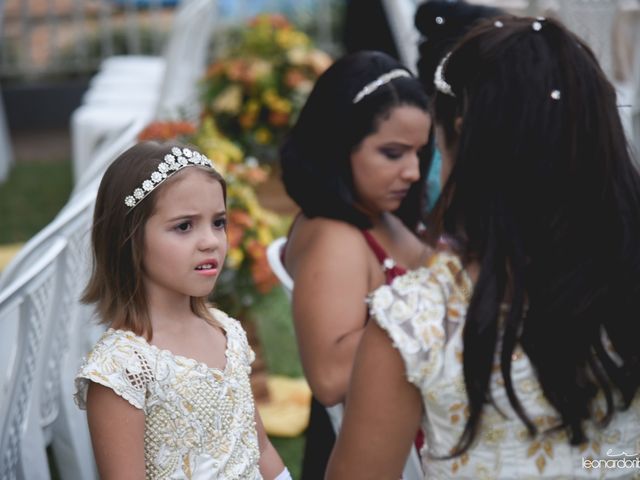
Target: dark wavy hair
<point>316,155</point>
<point>543,194</point>
<point>117,240</point>
<point>442,23</point>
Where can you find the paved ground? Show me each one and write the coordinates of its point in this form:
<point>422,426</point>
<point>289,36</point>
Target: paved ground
<point>41,145</point>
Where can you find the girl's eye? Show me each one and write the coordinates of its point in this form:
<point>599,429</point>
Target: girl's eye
<point>220,223</point>
<point>183,227</point>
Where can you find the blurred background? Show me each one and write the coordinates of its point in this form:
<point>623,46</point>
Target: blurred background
<point>82,80</point>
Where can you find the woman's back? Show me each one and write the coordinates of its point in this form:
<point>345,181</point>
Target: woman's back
<point>424,314</point>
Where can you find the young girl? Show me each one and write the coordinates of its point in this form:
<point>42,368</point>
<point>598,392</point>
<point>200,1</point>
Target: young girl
<point>517,352</point>
<point>167,388</point>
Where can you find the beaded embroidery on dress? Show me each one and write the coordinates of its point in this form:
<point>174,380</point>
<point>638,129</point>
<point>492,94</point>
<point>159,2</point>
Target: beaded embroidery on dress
<point>199,421</point>
<point>423,312</point>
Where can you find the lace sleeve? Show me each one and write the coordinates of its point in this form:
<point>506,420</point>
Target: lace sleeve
<point>118,362</point>
<point>412,310</point>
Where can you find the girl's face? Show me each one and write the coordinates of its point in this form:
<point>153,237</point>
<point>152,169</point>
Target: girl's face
<point>387,163</point>
<point>185,241</point>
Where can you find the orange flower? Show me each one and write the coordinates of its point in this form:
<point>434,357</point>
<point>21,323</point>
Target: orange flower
<point>214,69</point>
<point>293,78</point>
<point>237,70</point>
<point>262,274</point>
<point>247,120</point>
<point>256,250</point>
<point>241,218</point>
<point>166,130</point>
<point>278,119</point>
<point>234,234</point>
<point>275,20</point>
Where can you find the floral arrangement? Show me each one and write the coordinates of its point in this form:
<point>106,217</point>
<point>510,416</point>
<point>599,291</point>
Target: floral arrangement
<point>257,89</point>
<point>251,228</point>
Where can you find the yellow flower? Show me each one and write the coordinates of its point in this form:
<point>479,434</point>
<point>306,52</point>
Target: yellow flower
<point>235,256</point>
<point>263,136</point>
<point>289,38</point>
<point>297,56</point>
<point>264,235</point>
<point>319,61</point>
<point>229,100</point>
<point>252,106</point>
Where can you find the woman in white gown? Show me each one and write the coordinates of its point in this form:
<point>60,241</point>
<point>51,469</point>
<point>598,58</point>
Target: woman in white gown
<point>516,348</point>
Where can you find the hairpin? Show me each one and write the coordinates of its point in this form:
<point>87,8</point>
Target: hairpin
<point>173,162</point>
<point>439,20</point>
<point>438,78</point>
<point>378,82</point>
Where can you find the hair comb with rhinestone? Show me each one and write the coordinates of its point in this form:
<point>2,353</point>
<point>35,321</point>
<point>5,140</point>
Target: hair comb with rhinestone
<point>438,78</point>
<point>173,162</point>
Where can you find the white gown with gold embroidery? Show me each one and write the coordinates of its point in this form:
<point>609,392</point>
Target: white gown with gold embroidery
<point>199,421</point>
<point>423,312</point>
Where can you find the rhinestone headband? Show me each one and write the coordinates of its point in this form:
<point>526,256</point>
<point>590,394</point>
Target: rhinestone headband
<point>438,78</point>
<point>378,82</point>
<point>173,162</point>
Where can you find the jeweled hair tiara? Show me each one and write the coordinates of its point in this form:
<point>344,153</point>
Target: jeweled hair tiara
<point>378,82</point>
<point>173,162</point>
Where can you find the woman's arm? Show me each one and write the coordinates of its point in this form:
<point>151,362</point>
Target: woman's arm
<point>331,278</point>
<point>117,434</point>
<point>271,464</point>
<point>382,414</point>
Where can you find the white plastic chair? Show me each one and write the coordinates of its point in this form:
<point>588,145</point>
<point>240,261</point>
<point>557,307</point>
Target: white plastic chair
<point>413,467</point>
<point>70,336</point>
<point>27,310</point>
<point>116,143</point>
<point>94,123</point>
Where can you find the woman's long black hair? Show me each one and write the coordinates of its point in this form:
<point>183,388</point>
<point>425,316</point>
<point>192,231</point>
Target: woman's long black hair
<point>316,155</point>
<point>543,194</point>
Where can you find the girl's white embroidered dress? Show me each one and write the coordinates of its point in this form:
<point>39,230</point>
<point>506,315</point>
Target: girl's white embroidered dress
<point>199,421</point>
<point>423,312</point>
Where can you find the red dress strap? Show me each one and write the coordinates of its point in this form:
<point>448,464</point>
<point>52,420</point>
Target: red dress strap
<point>391,269</point>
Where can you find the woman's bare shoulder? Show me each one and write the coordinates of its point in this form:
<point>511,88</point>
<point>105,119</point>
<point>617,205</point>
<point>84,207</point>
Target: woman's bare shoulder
<point>322,232</point>
<point>332,240</point>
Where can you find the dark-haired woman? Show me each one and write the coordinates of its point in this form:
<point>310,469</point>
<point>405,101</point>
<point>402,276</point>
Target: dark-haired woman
<point>354,163</point>
<point>517,350</point>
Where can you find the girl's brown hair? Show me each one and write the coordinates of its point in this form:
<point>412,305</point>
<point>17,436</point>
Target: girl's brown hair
<point>117,239</point>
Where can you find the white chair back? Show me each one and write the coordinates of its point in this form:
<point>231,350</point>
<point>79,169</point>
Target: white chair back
<point>117,142</point>
<point>63,425</point>
<point>274,252</point>
<point>186,57</point>
<point>27,312</point>
<point>413,468</point>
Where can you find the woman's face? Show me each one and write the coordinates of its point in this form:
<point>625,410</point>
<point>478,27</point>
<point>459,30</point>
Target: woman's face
<point>387,163</point>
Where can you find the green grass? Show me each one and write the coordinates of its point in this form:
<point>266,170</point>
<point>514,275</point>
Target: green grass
<point>272,314</point>
<point>31,197</point>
